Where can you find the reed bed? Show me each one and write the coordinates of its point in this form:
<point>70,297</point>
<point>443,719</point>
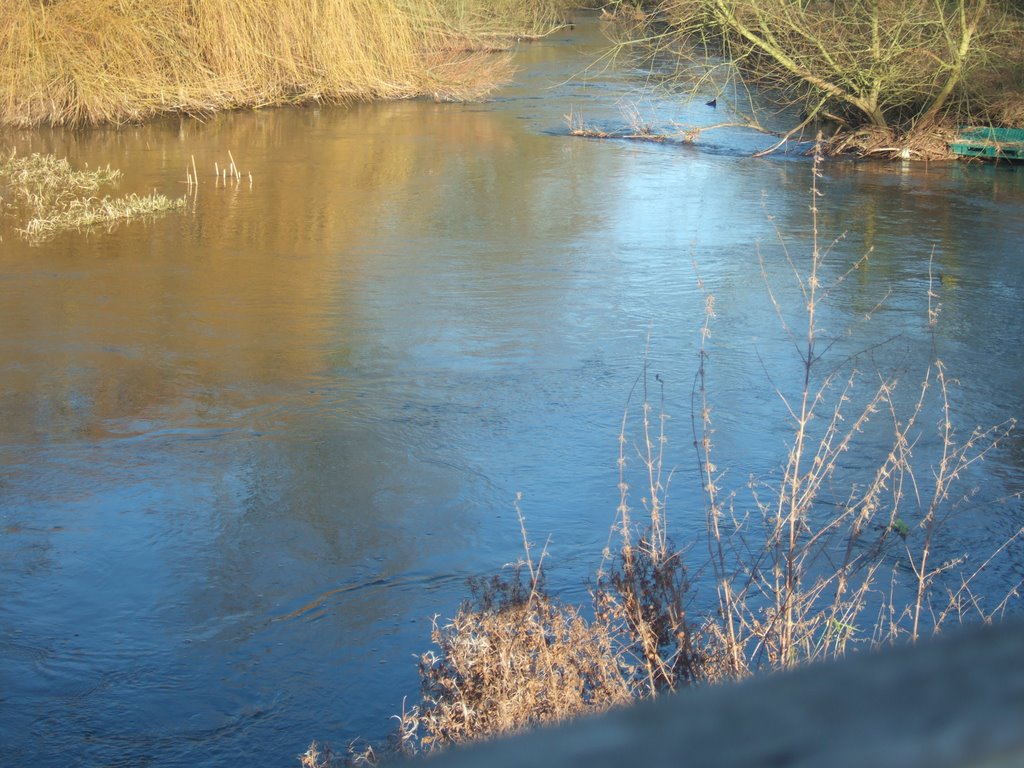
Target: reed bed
<point>499,21</point>
<point>86,62</point>
<point>892,76</point>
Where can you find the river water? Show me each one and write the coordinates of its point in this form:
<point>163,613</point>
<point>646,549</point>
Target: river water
<point>248,451</point>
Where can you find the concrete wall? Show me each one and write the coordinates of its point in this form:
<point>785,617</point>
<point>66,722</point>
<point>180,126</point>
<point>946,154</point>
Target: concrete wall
<point>953,702</point>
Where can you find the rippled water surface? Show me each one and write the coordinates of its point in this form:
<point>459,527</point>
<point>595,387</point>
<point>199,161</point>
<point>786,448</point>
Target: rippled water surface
<point>248,451</point>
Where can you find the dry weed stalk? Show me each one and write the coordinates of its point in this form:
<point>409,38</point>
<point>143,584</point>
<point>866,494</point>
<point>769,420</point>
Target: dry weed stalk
<point>641,590</point>
<point>222,176</point>
<point>798,591</point>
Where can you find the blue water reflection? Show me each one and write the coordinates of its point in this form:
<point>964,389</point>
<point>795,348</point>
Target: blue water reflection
<point>247,453</point>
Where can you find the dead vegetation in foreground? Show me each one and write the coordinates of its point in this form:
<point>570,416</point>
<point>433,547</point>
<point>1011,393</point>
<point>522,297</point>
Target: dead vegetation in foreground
<point>828,556</point>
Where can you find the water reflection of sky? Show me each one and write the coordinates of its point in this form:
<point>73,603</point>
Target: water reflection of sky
<point>249,452</point>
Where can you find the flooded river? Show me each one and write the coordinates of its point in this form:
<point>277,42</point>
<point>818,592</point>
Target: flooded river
<point>248,451</point>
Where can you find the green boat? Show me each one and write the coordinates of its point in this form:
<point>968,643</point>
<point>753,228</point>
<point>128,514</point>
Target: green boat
<point>991,143</point>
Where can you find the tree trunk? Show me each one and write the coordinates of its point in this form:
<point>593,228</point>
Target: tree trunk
<point>956,68</point>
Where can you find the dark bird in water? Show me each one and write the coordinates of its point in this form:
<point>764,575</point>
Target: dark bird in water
<point>713,103</point>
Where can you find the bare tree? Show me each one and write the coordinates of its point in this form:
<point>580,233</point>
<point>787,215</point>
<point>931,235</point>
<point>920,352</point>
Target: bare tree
<point>896,69</point>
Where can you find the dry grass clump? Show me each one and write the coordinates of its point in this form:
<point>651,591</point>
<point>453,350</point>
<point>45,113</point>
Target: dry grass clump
<point>868,141</point>
<point>52,196</point>
<point>78,62</point>
<point>513,659</point>
<point>82,61</point>
<point>46,181</point>
<point>92,212</point>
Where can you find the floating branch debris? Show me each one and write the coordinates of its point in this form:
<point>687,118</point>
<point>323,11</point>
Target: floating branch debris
<point>681,134</point>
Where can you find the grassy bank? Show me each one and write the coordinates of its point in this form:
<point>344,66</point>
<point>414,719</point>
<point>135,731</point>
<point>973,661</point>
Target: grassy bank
<point>81,62</point>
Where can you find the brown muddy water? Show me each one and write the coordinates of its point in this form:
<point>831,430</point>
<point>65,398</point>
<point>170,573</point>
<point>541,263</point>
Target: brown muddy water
<point>248,451</point>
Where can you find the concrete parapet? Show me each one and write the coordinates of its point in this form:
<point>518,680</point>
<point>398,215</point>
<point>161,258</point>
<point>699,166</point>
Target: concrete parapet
<point>952,702</point>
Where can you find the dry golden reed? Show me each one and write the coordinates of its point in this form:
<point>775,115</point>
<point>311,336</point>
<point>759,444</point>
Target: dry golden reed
<point>82,62</point>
